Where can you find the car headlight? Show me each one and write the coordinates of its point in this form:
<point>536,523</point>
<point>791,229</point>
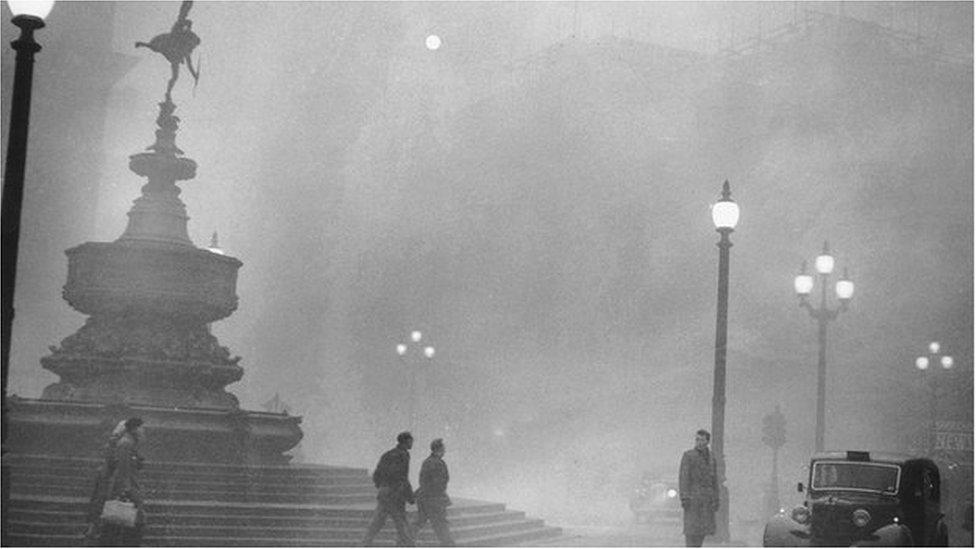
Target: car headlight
<point>861,518</point>
<point>801,514</point>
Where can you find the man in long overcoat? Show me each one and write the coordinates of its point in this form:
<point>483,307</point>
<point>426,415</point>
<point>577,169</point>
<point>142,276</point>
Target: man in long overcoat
<point>698,489</point>
<point>432,498</point>
<point>391,478</point>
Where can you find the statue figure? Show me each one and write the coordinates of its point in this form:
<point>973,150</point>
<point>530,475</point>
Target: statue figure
<point>176,46</point>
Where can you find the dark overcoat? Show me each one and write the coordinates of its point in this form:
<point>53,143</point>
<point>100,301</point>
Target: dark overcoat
<point>433,482</point>
<point>392,476</point>
<point>698,489</point>
<point>118,478</point>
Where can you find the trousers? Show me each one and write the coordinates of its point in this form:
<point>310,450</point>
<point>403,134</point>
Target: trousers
<point>436,512</point>
<point>390,504</point>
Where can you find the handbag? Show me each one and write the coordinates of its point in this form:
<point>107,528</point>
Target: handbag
<point>120,513</point>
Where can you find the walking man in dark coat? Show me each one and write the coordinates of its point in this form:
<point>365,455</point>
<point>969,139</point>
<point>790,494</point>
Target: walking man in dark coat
<point>698,489</point>
<point>391,478</point>
<point>432,499</point>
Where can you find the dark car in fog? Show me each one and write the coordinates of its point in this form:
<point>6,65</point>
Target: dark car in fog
<point>864,499</point>
<point>655,501</point>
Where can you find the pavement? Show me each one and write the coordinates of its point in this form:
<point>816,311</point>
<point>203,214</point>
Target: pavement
<point>636,535</point>
<point>633,535</point>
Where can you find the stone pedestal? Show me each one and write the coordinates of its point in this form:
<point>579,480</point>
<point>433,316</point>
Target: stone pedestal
<point>197,435</point>
<point>148,340</point>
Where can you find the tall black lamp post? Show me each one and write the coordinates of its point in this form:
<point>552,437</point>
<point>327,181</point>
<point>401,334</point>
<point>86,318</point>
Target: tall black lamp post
<point>411,353</point>
<point>725,215</point>
<point>29,16</point>
<point>803,284</point>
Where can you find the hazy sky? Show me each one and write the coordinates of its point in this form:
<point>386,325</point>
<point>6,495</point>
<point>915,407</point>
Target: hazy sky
<point>537,205</point>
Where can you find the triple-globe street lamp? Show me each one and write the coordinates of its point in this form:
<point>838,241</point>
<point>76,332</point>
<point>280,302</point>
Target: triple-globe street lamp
<point>925,364</point>
<point>803,284</point>
<point>414,355</point>
<point>725,215</point>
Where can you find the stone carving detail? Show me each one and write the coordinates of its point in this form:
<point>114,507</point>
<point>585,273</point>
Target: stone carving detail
<point>145,337</point>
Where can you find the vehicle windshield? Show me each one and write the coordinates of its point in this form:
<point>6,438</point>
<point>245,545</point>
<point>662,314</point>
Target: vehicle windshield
<point>846,475</point>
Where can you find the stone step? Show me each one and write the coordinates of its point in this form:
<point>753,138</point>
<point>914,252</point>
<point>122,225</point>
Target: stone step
<point>86,467</point>
<point>228,495</point>
<point>15,539</point>
<point>150,475</point>
<point>461,506</point>
<point>337,522</point>
<point>514,535</point>
<point>501,534</point>
<point>78,517</point>
<point>31,503</point>
<point>512,539</point>
<point>155,485</point>
<point>220,505</point>
<point>351,533</point>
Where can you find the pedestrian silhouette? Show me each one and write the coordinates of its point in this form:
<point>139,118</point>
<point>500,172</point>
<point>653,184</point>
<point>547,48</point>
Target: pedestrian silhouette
<point>432,498</point>
<point>698,490</point>
<point>391,478</point>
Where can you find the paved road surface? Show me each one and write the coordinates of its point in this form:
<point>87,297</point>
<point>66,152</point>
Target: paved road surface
<point>635,535</point>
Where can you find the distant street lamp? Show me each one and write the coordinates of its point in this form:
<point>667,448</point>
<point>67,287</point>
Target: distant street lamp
<point>414,355</point>
<point>803,284</point>
<point>774,436</point>
<point>725,215</point>
<point>923,363</point>
<point>29,16</point>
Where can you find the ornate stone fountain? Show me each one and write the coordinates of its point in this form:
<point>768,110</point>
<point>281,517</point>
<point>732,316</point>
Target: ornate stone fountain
<point>146,348</point>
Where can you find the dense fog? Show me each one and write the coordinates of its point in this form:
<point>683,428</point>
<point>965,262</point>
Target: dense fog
<point>533,196</point>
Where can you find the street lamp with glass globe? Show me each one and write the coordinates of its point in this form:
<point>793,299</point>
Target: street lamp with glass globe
<point>725,216</point>
<point>28,16</point>
<point>410,354</point>
<point>844,289</point>
<point>927,377</point>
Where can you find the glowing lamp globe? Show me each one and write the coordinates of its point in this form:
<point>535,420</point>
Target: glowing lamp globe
<point>922,363</point>
<point>946,362</point>
<point>803,284</point>
<point>845,289</point>
<point>725,214</point>
<point>415,336</point>
<point>429,352</point>
<point>934,347</point>
<point>33,8</point>
<point>824,263</point>
<point>401,349</point>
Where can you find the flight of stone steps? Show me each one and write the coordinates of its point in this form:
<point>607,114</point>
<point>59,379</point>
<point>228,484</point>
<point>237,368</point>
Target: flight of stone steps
<point>204,505</point>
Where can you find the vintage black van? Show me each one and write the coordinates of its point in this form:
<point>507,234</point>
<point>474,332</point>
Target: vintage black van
<point>864,499</point>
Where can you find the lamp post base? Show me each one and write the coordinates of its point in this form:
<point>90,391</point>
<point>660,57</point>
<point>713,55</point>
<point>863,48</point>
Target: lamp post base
<point>722,516</point>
